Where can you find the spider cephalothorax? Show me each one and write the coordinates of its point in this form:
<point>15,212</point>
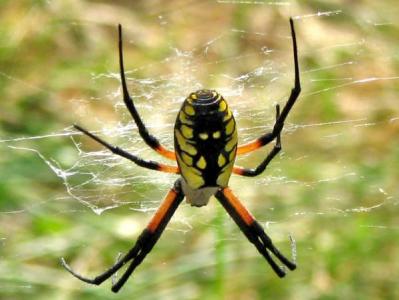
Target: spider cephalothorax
<point>205,138</point>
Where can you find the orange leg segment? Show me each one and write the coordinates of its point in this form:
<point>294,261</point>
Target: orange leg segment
<point>238,170</point>
<point>165,152</point>
<point>249,147</point>
<point>238,207</point>
<point>162,211</point>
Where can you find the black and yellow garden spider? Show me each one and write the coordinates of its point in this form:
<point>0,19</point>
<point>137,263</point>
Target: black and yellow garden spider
<point>205,140</point>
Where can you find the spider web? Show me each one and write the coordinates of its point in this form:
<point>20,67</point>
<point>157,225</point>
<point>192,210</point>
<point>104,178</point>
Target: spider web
<point>101,181</point>
<point>252,96</point>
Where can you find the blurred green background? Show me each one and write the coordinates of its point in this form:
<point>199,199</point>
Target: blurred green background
<point>334,188</point>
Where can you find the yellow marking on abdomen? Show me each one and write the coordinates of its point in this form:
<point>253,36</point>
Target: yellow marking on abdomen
<point>191,175</point>
<point>230,127</point>
<point>232,155</point>
<point>186,147</point>
<point>203,136</point>
<point>216,134</point>
<point>201,163</point>
<point>221,160</point>
<point>183,118</point>
<point>188,109</point>
<point>228,115</point>
<point>188,160</point>
<point>223,178</point>
<point>230,144</point>
<point>222,106</point>
<point>187,131</point>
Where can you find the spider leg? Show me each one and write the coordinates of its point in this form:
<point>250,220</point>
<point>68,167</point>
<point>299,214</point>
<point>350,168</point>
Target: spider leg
<point>144,243</point>
<point>149,139</point>
<point>149,164</point>
<point>262,166</point>
<point>279,124</point>
<point>253,230</point>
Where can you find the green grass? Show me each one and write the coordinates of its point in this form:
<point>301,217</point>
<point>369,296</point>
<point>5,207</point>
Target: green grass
<point>334,188</point>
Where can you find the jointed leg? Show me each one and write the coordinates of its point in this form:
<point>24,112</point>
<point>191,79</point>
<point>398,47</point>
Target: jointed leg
<point>279,124</point>
<point>262,166</point>
<point>149,164</point>
<point>144,244</point>
<point>150,140</point>
<point>252,230</point>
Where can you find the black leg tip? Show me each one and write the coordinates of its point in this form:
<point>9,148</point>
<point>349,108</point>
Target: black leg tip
<point>65,265</point>
<point>279,271</point>
<point>81,129</point>
<point>63,262</point>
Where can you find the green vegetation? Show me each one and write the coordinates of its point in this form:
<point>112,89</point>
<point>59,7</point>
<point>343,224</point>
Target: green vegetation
<point>334,189</point>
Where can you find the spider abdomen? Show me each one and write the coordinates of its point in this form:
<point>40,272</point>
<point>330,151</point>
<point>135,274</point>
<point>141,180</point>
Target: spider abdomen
<point>205,140</point>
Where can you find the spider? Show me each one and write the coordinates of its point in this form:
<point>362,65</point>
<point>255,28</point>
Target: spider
<point>205,141</point>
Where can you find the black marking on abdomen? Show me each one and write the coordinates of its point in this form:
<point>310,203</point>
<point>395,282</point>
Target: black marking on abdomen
<point>209,135</point>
